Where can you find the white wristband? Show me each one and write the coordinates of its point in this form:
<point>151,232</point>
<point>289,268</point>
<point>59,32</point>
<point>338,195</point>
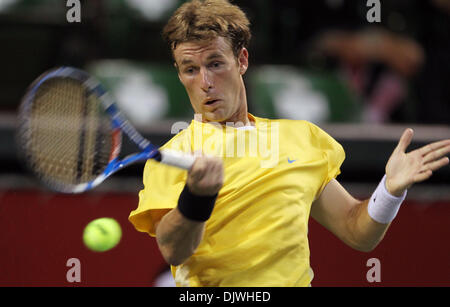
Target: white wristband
<point>383,206</point>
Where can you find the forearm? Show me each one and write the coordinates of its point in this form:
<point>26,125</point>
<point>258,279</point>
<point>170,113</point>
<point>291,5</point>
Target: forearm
<point>364,232</point>
<point>178,237</point>
<point>371,218</point>
<point>180,231</point>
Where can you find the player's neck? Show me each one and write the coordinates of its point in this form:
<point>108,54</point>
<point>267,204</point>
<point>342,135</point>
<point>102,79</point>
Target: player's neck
<point>240,117</point>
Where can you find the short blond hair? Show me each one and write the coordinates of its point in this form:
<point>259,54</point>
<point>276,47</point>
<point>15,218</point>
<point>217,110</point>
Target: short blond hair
<point>202,20</point>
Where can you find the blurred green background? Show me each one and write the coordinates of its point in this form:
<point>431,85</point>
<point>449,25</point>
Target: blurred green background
<point>290,74</point>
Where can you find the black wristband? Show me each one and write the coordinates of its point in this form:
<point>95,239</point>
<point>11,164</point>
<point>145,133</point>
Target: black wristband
<point>196,207</point>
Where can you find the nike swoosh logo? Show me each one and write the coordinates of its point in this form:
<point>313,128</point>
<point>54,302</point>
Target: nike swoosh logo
<point>291,161</point>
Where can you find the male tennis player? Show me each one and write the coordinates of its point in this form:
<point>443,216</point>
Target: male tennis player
<point>230,220</point>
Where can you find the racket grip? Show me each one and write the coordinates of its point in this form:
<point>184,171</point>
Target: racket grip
<point>177,158</point>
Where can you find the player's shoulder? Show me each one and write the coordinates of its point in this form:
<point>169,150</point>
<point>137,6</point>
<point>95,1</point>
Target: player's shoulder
<point>300,131</point>
<point>288,124</point>
<point>180,141</point>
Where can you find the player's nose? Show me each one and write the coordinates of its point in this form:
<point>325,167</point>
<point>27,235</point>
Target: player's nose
<point>206,80</point>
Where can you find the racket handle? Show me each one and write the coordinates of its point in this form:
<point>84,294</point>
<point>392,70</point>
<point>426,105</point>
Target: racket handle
<point>177,158</point>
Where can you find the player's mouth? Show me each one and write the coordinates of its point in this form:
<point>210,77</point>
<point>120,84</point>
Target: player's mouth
<point>211,102</point>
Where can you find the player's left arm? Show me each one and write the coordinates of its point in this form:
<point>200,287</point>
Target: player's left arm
<point>349,218</point>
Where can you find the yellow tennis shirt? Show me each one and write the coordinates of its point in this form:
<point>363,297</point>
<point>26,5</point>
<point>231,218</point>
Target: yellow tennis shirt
<point>257,233</point>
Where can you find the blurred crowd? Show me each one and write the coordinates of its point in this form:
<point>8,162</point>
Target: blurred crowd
<point>396,70</point>
<point>400,67</point>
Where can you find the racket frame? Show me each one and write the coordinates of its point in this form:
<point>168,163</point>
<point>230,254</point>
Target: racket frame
<point>119,123</point>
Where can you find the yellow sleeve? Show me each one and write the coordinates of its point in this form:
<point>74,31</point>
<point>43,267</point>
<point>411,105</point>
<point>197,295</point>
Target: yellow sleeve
<point>332,151</point>
<point>162,187</point>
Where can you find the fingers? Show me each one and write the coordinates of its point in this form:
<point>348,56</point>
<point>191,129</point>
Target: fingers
<point>205,167</point>
<point>405,140</point>
<point>435,165</point>
<point>198,169</point>
<point>435,150</point>
<point>206,176</point>
<point>423,176</point>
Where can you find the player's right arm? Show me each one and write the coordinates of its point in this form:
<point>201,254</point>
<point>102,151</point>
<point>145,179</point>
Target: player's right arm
<point>178,236</point>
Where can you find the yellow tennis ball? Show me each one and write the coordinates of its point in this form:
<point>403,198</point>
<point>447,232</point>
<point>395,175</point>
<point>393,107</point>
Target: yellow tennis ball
<point>102,234</point>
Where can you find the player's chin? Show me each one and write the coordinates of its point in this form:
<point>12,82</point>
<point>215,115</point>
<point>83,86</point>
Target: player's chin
<point>217,116</point>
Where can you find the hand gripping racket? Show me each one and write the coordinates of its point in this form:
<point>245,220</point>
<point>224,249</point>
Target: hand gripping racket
<point>70,133</point>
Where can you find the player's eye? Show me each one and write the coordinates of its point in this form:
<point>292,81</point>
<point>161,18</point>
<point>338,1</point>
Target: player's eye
<point>216,64</point>
<point>189,70</point>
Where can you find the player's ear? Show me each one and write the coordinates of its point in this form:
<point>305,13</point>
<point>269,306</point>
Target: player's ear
<point>243,60</point>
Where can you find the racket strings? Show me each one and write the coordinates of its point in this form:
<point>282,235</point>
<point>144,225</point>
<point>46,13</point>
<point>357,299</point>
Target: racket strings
<point>68,139</point>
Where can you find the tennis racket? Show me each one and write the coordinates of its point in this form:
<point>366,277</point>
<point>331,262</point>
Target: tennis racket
<point>70,133</point>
